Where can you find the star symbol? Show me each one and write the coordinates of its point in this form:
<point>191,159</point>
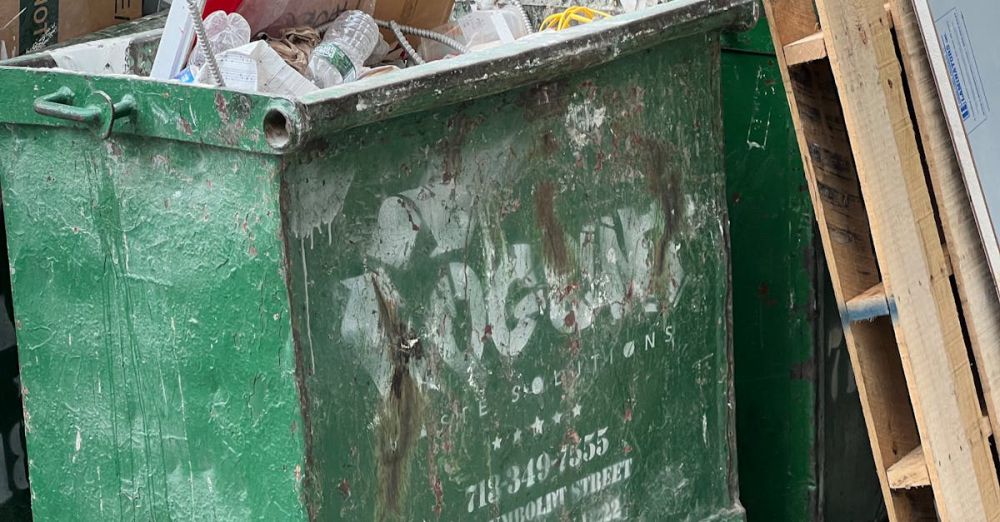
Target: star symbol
<point>496,442</point>
<point>517,435</point>
<point>537,426</point>
<point>576,410</point>
<point>557,417</point>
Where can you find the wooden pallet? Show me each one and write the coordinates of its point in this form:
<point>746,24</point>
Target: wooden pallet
<point>908,268</point>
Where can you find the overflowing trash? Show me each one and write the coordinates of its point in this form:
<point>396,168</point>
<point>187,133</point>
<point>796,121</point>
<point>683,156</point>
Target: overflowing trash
<point>258,67</point>
<point>477,30</point>
<point>272,16</point>
<point>294,47</point>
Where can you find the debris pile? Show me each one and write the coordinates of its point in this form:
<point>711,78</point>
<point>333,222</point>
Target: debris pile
<point>295,47</point>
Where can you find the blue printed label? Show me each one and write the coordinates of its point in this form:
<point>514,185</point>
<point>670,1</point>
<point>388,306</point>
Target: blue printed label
<point>963,69</point>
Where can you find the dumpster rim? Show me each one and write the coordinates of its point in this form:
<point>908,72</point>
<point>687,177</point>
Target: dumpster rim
<point>283,124</point>
<point>521,63</point>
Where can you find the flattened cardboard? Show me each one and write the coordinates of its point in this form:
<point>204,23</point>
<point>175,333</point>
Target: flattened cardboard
<point>423,14</point>
<point>25,24</point>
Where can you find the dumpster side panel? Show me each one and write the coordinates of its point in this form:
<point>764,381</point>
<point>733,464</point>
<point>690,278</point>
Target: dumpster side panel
<point>152,316</point>
<point>517,308</point>
<point>774,302</point>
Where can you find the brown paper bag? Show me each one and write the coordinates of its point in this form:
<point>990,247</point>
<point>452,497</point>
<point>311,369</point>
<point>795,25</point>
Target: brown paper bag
<point>423,14</point>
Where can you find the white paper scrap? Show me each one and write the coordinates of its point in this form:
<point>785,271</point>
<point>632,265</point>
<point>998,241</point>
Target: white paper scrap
<point>257,67</point>
<point>239,71</point>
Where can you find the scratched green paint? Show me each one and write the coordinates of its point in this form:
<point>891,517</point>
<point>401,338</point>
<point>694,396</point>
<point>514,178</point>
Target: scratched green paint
<point>531,285</point>
<point>155,347</point>
<point>515,174</point>
<point>167,111</point>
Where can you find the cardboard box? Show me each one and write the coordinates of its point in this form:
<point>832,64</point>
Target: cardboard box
<point>33,24</point>
<point>425,14</point>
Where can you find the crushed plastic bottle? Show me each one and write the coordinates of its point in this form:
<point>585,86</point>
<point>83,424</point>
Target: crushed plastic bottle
<point>225,32</point>
<point>349,41</point>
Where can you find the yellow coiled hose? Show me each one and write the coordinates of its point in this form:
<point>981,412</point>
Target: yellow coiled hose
<point>573,16</point>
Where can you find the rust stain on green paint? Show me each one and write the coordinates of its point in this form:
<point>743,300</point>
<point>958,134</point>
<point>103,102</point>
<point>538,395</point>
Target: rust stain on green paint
<point>553,235</point>
<point>662,171</point>
<point>400,418</point>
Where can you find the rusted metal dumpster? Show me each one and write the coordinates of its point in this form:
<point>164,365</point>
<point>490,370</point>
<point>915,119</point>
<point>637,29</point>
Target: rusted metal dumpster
<point>489,288</point>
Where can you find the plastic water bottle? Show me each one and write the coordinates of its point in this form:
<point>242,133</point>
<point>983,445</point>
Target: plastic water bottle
<point>347,44</point>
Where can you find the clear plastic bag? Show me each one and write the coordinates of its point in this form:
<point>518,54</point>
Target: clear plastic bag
<point>495,25</point>
<point>225,31</point>
<point>477,30</point>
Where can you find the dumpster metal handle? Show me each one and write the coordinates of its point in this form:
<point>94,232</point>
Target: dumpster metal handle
<point>99,112</point>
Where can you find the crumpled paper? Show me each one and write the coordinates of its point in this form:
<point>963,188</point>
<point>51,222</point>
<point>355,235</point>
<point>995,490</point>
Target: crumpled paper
<point>295,45</point>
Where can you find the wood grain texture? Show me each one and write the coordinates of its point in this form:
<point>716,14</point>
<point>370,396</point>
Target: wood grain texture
<point>797,19</point>
<point>870,304</point>
<point>910,471</point>
<point>847,243</point>
<point>980,305</point>
<point>806,49</point>
<point>862,54</point>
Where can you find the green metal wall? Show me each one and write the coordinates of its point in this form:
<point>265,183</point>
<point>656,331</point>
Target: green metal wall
<point>560,254</point>
<point>15,497</point>
<point>802,446</point>
<point>771,226</point>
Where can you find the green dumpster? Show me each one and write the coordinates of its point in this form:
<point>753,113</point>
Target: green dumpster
<point>802,443</point>
<point>490,288</point>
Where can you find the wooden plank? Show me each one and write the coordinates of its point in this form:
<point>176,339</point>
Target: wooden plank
<point>979,301</point>
<point>805,49</point>
<point>868,305</point>
<point>862,55</point>
<point>844,231</point>
<point>891,426</point>
<point>797,20</point>
<point>910,472</point>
